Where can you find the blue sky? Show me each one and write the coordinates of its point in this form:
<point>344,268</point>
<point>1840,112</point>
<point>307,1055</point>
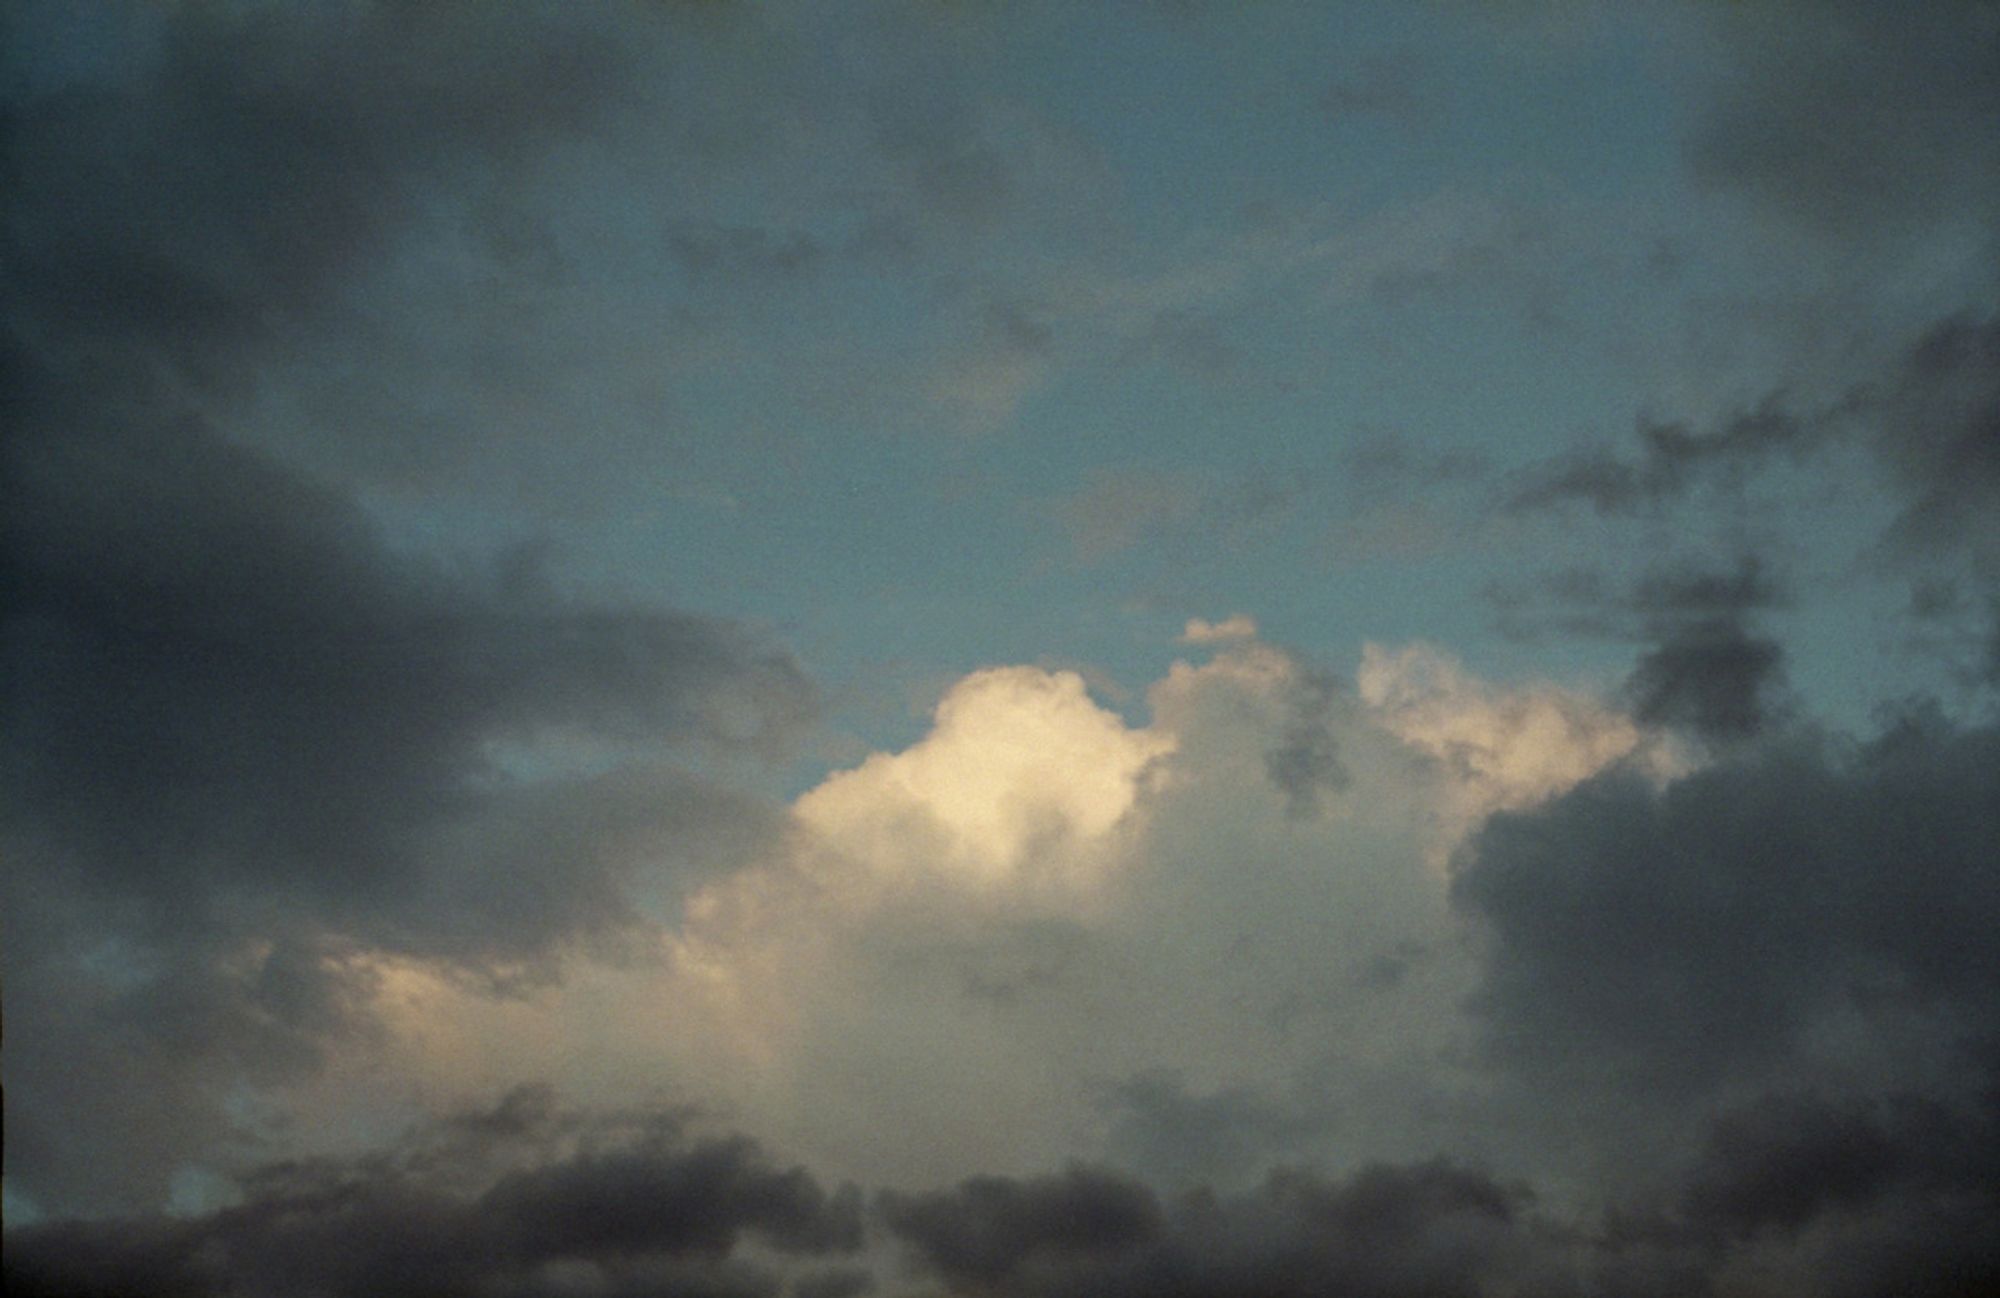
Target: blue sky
<point>1143,315</point>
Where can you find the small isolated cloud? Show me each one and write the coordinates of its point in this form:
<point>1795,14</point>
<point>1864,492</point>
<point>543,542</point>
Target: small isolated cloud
<point>1237,626</point>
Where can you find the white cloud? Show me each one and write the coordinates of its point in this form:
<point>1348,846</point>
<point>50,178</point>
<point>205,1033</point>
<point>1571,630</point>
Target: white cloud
<point>1038,900</point>
<point>1237,626</point>
<point>1021,776</point>
<point>1499,748</point>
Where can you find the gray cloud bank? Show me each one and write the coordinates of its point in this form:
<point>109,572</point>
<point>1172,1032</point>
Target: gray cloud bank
<point>523,1200</point>
<point>1793,1195</point>
<point>245,735</point>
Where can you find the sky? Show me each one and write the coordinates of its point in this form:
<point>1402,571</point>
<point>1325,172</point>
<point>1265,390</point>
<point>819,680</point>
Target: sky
<point>1001,648</point>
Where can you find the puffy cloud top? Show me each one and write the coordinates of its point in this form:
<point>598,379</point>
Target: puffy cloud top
<point>1020,773</point>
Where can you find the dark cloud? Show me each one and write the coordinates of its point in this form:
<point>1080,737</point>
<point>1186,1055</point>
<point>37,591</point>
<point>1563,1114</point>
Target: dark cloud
<point>638,1209</point>
<point>1930,419</point>
<point>213,199</point>
<point>992,1229</point>
<point>247,739</point>
<point>1698,591</point>
<point>1807,905</point>
<point>225,681</point>
<point>1672,461</point>
<point>1706,669</point>
<point>1425,1229</point>
<point>1808,1195</point>
<point>1939,434</point>
<point>1860,118</point>
<point>242,735</point>
<point>1711,676</point>
<point>1306,763</point>
<point>1789,1158</point>
<point>1853,1197</point>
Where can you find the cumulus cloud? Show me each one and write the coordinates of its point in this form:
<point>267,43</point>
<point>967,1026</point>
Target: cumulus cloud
<point>329,796</point>
<point>1020,767</point>
<point>1502,749</point>
<point>1215,1005</point>
<point>1043,911</point>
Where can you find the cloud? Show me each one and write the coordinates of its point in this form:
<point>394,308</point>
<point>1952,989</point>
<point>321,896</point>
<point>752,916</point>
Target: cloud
<point>1787,1158</point>
<point>1032,904</point>
<point>251,744</point>
<point>1803,909</point>
<point>1711,676</point>
<point>992,1228</point>
<point>1500,749</point>
<point>1021,770</point>
<point>521,1200</point>
<point>1237,626</point>
<point>1383,463</point>
<point>1771,960</point>
<point>1937,437</point>
<point>1426,1228</point>
<point>213,652</point>
<point>1673,461</point>
<point>244,738</point>
<point>1182,1138</point>
<point>979,385</point>
<point>1790,1193</point>
<point>1925,416</point>
<point>1305,764</point>
<point>1856,118</point>
<point>1707,670</point>
<point>215,199</point>
<point>1117,510</point>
